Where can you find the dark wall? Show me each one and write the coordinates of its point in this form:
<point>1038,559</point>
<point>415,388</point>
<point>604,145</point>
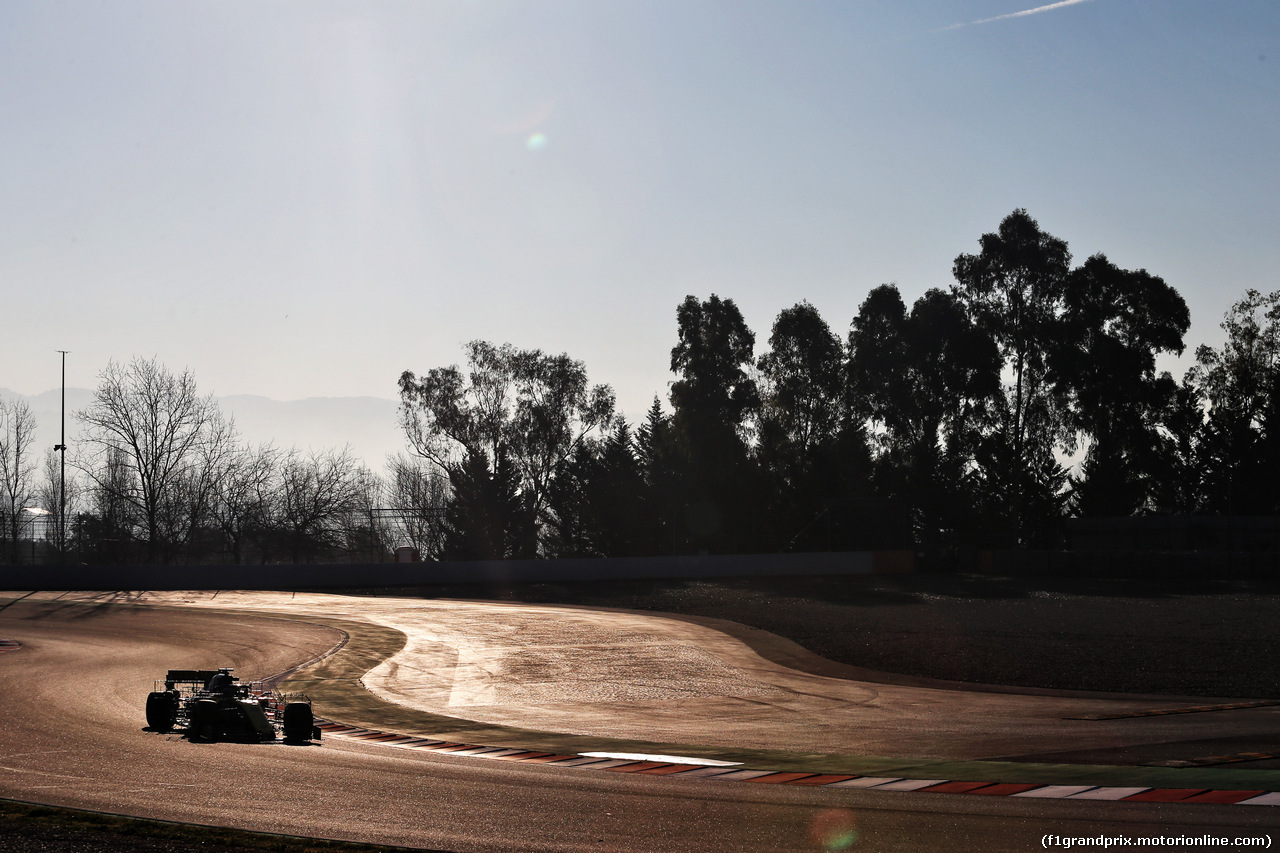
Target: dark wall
<point>1172,533</point>
<point>1154,565</point>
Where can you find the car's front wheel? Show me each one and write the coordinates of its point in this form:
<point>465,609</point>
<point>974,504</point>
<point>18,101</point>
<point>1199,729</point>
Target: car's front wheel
<point>205,720</point>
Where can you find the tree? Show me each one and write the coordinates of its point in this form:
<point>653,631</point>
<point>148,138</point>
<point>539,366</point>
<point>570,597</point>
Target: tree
<point>805,434</point>
<point>712,357</point>
<point>244,489</point>
<point>1240,382</point>
<point>108,529</point>
<point>187,518</point>
<point>926,381</point>
<point>17,465</point>
<point>157,426</point>
<point>1114,323</point>
<point>532,408</point>
<point>49,495</point>
<point>619,499</point>
<point>922,378</point>
<point>418,492</point>
<point>712,401</point>
<point>1013,288</point>
<point>597,506</point>
<point>1178,469</point>
<point>366,535</point>
<point>803,390</point>
<point>663,484</point>
<point>318,491</point>
<point>487,518</point>
<point>569,525</point>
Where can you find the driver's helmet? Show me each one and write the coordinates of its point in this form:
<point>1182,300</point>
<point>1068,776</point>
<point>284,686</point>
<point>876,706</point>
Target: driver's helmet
<point>222,682</point>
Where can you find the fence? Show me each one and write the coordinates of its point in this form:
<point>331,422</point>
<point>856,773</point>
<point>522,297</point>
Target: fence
<point>337,576</point>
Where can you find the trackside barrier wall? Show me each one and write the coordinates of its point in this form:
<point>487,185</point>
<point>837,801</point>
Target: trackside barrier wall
<point>1247,565</point>
<point>347,575</point>
<point>1241,565</point>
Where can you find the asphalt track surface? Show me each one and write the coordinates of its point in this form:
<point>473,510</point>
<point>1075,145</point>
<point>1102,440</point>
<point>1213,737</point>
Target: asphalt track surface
<point>73,735</point>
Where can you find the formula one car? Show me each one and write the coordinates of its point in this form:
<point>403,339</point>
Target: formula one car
<point>212,704</point>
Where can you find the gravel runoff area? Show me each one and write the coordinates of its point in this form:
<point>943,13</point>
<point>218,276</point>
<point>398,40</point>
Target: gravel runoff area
<point>1213,638</point>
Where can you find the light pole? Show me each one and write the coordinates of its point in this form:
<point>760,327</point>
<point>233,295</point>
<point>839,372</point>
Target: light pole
<point>62,476</point>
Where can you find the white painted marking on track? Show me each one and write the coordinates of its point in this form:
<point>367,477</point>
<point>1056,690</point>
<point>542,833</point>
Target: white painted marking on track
<point>865,781</point>
<point>667,759</point>
<point>1107,794</point>
<point>908,784</point>
<point>1056,791</point>
<point>45,773</point>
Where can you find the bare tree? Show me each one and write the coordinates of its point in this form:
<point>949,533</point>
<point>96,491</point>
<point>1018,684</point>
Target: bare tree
<point>317,491</point>
<point>188,519</point>
<point>244,489</point>
<point>418,492</point>
<point>110,525</point>
<point>156,424</point>
<point>17,486</point>
<point>49,494</point>
<point>365,533</point>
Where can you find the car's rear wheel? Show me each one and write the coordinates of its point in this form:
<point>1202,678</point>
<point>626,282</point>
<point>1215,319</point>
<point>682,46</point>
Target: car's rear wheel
<point>298,721</point>
<point>162,711</point>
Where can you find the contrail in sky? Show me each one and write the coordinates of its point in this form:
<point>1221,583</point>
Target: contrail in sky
<point>1024,13</point>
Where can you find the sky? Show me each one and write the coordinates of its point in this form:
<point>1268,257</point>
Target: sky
<point>304,199</point>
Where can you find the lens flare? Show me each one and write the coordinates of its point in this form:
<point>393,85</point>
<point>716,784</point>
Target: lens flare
<point>536,141</point>
<point>834,829</point>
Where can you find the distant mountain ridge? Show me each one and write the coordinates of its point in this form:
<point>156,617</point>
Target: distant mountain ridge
<point>368,424</point>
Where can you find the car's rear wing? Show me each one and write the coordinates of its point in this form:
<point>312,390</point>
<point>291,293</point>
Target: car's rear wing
<point>194,682</point>
<point>191,676</point>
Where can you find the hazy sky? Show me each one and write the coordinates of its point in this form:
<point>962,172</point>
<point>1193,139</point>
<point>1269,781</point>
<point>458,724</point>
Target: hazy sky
<point>304,199</point>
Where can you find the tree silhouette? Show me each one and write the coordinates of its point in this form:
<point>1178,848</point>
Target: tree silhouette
<point>487,517</point>
<point>522,412</point>
<point>712,401</point>
<point>1113,325</point>
<point>663,470</point>
<point>1240,442</point>
<point>597,505</point>
<point>1177,471</point>
<point>926,381</point>
<point>802,413</point>
<point>618,496</point>
<point>1013,288</point>
<point>802,404</point>
<point>163,433</point>
<point>17,467</point>
<point>318,491</point>
<point>531,407</point>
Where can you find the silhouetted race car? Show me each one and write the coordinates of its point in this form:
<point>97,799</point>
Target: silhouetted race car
<point>212,704</point>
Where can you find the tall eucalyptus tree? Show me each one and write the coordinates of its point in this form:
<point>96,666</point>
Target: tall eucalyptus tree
<point>1114,324</point>
<point>1014,289</point>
